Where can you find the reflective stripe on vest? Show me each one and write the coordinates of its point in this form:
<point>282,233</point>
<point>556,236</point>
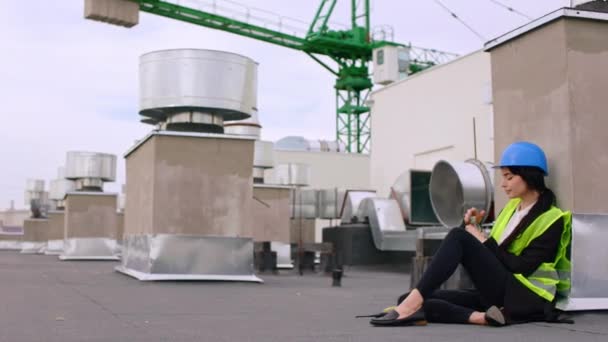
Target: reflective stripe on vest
<point>549,278</point>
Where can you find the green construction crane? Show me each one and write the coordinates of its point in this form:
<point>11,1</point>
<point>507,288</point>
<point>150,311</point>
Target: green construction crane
<point>351,49</point>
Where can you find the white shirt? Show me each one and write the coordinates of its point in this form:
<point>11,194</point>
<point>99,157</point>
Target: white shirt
<point>514,221</point>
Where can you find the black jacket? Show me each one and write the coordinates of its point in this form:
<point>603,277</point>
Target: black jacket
<point>521,304</point>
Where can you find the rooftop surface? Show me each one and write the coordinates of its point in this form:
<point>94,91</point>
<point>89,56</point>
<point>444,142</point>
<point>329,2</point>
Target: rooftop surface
<point>44,299</point>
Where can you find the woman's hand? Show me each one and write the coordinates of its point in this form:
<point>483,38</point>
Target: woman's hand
<point>475,230</point>
<point>473,212</point>
<point>478,234</point>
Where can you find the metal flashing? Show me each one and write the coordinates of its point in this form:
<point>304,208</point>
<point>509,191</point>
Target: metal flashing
<point>544,20</point>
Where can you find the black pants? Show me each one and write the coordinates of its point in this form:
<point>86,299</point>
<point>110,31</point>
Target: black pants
<point>487,273</point>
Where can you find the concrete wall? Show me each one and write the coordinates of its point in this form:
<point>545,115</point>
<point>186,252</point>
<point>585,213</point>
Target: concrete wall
<point>56,225</point>
<point>429,116</point>
<point>190,185</point>
<point>90,215</point>
<point>549,87</point>
<point>12,217</point>
<point>120,226</point>
<point>270,214</point>
<point>35,230</point>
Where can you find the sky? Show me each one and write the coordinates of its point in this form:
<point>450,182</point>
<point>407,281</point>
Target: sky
<point>71,84</point>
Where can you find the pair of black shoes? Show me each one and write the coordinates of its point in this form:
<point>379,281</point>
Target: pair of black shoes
<point>493,316</point>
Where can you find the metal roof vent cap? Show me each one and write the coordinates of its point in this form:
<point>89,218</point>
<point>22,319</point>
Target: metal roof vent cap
<point>90,170</point>
<point>263,158</point>
<point>195,90</point>
<point>249,127</point>
<point>36,198</point>
<point>59,187</point>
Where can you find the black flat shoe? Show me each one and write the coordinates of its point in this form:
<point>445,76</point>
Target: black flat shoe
<point>379,314</point>
<point>376,315</point>
<point>392,319</point>
<point>494,317</point>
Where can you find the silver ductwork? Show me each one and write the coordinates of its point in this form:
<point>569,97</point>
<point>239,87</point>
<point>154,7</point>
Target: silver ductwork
<point>400,192</point>
<point>386,223</point>
<point>89,170</point>
<point>292,174</point>
<point>350,212</point>
<point>297,143</point>
<point>303,203</point>
<point>420,208</point>
<point>458,186</point>
<point>330,202</point>
<point>196,90</point>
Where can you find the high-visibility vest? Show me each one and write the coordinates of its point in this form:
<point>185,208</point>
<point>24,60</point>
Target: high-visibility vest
<point>550,277</point>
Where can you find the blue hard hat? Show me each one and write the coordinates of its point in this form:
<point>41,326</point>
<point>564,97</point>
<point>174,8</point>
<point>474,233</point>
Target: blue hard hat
<point>523,153</point>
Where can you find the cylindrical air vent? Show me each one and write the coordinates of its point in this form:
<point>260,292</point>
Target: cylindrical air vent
<point>249,127</point>
<point>263,158</point>
<point>196,90</point>
<point>90,170</point>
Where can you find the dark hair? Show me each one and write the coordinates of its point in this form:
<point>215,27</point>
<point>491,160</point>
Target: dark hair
<point>535,180</point>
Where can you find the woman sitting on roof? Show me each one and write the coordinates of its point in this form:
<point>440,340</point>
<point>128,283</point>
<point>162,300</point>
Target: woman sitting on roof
<point>518,271</point>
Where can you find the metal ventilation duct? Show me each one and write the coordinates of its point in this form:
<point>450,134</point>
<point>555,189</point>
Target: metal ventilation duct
<point>297,143</point>
<point>294,174</point>
<point>303,203</point>
<point>330,203</point>
<point>90,170</point>
<point>386,223</point>
<point>196,90</point>
<point>350,208</point>
<point>401,193</point>
<point>458,186</point>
